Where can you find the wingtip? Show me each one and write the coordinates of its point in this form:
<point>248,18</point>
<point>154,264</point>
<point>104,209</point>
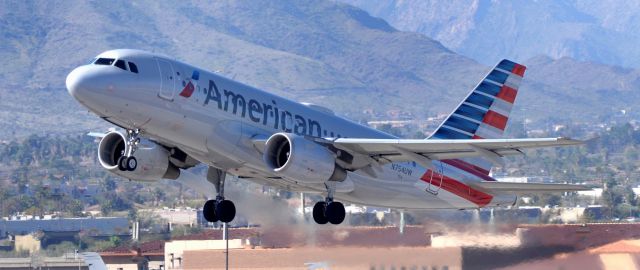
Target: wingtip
<point>570,141</point>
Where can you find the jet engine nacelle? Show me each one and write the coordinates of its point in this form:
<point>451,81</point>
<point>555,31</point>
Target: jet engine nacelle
<point>153,159</point>
<point>295,157</point>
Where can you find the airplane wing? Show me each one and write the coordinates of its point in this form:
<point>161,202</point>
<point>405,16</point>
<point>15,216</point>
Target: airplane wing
<point>507,187</point>
<point>100,135</point>
<point>424,151</point>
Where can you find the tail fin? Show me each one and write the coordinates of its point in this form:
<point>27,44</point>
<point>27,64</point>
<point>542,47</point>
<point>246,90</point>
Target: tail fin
<point>484,113</point>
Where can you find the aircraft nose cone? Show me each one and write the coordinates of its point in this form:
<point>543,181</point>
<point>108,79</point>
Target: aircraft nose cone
<point>77,82</point>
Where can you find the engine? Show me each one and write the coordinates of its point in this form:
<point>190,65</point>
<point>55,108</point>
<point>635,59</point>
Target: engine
<point>153,159</point>
<point>297,158</point>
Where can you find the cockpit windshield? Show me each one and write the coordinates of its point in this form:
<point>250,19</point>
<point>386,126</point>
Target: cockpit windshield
<point>120,63</point>
<point>104,61</point>
<point>133,68</point>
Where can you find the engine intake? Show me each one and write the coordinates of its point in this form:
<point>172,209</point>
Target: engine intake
<point>153,159</point>
<point>297,158</point>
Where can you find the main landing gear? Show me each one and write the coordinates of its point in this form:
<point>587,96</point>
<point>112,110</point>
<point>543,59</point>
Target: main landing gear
<point>127,162</point>
<point>329,210</point>
<point>218,209</point>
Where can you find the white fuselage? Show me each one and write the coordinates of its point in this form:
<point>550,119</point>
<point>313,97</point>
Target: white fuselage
<point>218,122</point>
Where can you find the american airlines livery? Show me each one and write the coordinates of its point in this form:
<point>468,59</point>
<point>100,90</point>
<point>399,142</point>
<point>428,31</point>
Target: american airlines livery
<point>176,116</point>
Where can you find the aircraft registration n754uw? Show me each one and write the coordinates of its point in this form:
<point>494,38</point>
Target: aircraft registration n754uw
<point>177,116</point>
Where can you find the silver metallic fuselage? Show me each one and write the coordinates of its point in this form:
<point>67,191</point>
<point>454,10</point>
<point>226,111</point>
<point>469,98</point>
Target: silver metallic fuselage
<point>218,123</point>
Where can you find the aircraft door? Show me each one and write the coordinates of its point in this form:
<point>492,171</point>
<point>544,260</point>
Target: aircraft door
<point>167,79</point>
<point>435,178</point>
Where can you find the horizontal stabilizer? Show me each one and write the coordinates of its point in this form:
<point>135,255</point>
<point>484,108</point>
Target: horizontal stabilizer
<point>529,187</point>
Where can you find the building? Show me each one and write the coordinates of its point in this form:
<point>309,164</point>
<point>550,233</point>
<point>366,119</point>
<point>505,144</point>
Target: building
<point>182,216</point>
<point>174,250</point>
<point>433,246</point>
<point>80,261</point>
<point>34,233</point>
<point>143,256</point>
<point>596,193</point>
<point>335,258</point>
<point>624,254</point>
<point>101,226</point>
<point>27,242</point>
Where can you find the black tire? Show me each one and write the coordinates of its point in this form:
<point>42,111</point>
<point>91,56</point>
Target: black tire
<point>131,163</point>
<point>318,213</point>
<point>209,211</point>
<point>335,213</point>
<point>121,162</point>
<point>226,211</point>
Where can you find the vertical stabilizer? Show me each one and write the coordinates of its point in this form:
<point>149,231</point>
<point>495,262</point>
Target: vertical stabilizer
<point>484,112</point>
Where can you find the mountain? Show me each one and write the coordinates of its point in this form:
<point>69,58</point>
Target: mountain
<point>604,31</point>
<point>582,91</point>
<point>324,52</point>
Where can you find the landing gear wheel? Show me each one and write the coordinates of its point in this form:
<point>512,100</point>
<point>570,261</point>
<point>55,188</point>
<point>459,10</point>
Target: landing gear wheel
<point>209,211</point>
<point>122,164</point>
<point>335,212</point>
<point>131,163</point>
<point>225,210</point>
<point>318,213</point>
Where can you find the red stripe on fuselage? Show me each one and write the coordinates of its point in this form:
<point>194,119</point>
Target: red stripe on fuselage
<point>470,168</point>
<point>458,188</point>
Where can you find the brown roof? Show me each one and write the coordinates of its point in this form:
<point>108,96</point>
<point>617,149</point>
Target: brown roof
<point>334,258</point>
<point>622,246</point>
<point>216,234</point>
<point>577,235</point>
<point>155,247</point>
<point>578,260</point>
<point>289,236</point>
<point>344,236</point>
<point>293,236</point>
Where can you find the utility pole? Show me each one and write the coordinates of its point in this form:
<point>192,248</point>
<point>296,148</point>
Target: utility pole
<point>226,239</point>
<point>302,205</point>
<point>402,221</point>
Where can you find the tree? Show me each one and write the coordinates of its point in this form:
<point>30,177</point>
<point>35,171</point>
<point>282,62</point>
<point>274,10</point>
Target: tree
<point>75,207</point>
<point>551,199</point>
<point>631,197</point>
<point>159,195</point>
<point>109,184</point>
<point>612,198</point>
<point>115,240</point>
<point>106,207</point>
<point>132,214</point>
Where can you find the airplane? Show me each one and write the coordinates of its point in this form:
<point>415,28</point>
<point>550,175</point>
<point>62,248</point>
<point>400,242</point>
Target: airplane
<point>176,116</point>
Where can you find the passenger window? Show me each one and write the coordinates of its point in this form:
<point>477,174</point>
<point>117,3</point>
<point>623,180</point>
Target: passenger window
<point>104,61</point>
<point>121,64</point>
<point>133,67</point>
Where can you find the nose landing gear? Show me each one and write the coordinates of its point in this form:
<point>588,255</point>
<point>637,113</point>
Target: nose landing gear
<point>219,209</point>
<point>127,162</point>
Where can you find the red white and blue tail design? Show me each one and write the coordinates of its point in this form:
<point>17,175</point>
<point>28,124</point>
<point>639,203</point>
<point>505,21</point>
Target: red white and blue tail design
<point>484,113</point>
